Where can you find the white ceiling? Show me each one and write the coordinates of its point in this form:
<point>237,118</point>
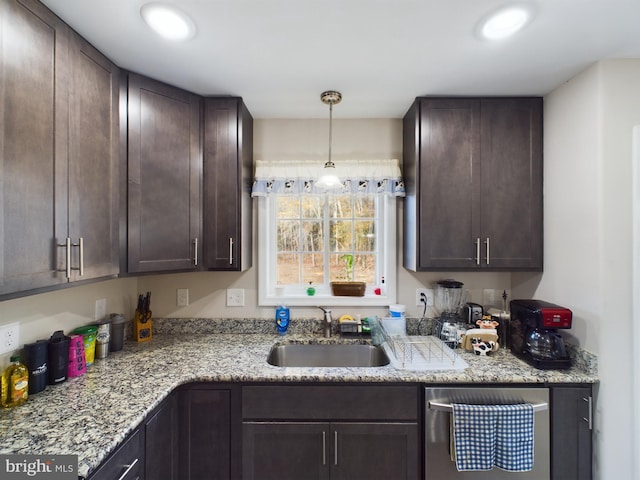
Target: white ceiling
<point>279,55</point>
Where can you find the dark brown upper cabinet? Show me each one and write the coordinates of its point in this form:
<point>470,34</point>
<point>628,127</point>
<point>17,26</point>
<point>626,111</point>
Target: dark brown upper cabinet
<point>58,137</point>
<point>473,174</point>
<point>164,177</point>
<point>228,175</point>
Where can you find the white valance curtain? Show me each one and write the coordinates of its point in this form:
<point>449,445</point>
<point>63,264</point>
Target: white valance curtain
<point>380,177</point>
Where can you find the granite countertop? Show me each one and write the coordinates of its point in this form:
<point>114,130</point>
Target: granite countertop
<point>90,415</point>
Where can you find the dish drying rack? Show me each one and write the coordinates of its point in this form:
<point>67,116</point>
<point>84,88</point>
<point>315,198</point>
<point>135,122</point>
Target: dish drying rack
<point>414,352</point>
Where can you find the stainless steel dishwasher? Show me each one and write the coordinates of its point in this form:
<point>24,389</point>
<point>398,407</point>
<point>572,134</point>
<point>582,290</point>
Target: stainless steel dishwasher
<point>438,463</point>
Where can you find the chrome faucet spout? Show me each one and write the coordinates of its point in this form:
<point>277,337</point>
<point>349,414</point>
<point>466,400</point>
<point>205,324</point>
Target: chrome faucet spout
<point>326,322</point>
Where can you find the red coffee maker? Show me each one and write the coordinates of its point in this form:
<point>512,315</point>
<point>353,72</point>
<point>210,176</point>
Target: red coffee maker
<point>533,333</point>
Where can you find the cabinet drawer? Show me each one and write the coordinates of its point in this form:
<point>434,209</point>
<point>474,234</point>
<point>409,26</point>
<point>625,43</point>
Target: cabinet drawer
<point>399,403</point>
<point>126,463</point>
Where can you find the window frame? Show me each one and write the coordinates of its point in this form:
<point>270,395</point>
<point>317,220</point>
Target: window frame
<point>269,295</point>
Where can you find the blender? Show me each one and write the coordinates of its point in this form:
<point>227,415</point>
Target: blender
<point>450,297</point>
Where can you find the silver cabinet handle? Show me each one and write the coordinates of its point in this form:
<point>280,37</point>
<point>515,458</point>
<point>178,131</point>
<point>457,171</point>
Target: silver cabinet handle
<point>80,246</point>
<point>324,447</point>
<point>477,251</point>
<point>129,467</point>
<point>335,447</point>
<point>487,244</point>
<point>195,252</point>
<point>68,254</point>
<point>230,251</point>
<point>589,418</point>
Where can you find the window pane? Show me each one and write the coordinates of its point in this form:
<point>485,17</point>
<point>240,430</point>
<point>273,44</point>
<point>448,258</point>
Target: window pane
<point>340,236</point>
<point>364,206</point>
<point>312,207</point>
<point>312,237</point>
<point>288,269</point>
<point>337,268</point>
<point>313,269</point>
<point>340,206</point>
<point>364,268</point>
<point>288,236</point>
<point>365,236</point>
<point>288,207</point>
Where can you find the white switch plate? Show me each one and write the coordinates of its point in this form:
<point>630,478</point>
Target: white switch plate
<point>101,309</point>
<point>428,292</point>
<point>183,297</point>
<point>9,337</point>
<point>235,297</point>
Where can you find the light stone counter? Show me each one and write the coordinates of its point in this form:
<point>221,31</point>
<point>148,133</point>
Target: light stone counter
<point>90,415</point>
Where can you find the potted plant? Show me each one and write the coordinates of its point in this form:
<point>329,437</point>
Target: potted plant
<point>348,288</point>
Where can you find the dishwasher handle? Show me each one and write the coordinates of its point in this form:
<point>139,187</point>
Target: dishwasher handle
<point>447,407</point>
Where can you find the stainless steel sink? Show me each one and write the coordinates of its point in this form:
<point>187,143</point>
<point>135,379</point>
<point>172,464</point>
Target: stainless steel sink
<point>327,355</point>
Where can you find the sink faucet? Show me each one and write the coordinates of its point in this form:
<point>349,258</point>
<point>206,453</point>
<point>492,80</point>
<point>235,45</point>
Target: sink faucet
<point>327,321</point>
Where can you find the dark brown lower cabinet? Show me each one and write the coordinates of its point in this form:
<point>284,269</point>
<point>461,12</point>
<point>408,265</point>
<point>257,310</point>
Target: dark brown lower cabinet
<point>571,428</point>
<point>161,448</point>
<point>209,440</point>
<point>317,451</point>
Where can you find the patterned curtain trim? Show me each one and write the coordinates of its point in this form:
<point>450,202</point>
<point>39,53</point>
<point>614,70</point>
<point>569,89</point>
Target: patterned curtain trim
<point>378,177</point>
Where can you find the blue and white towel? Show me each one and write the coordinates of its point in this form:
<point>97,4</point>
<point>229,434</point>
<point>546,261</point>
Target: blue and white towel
<point>485,436</point>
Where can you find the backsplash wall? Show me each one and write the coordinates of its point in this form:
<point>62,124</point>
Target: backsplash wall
<point>40,315</point>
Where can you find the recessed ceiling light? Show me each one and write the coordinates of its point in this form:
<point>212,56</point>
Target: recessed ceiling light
<point>168,21</point>
<point>505,22</point>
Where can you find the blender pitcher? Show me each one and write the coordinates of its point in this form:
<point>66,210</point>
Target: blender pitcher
<point>450,297</point>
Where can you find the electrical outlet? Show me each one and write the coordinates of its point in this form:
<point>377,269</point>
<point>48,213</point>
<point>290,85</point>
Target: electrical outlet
<point>428,297</point>
<point>9,337</point>
<point>101,309</point>
<point>235,297</point>
<point>182,297</point>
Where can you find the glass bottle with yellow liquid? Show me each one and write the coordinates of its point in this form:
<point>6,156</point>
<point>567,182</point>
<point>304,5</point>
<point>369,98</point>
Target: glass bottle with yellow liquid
<point>15,384</point>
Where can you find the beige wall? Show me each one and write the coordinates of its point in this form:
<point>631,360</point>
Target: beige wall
<point>588,241</point>
<point>40,315</point>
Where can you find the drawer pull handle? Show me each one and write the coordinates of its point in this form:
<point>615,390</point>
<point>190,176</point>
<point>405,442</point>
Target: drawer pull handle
<point>335,447</point>
<point>129,467</point>
<point>324,448</point>
<point>589,418</point>
<point>444,407</point>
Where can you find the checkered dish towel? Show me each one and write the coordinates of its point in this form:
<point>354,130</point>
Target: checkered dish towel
<point>493,435</point>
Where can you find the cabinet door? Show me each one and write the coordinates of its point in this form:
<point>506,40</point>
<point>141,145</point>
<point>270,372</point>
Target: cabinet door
<point>205,434</point>
<point>511,183</point>
<point>228,173</point>
<point>33,146</point>
<point>448,183</point>
<point>370,451</point>
<point>571,424</point>
<point>164,177</point>
<point>161,449</point>
<point>286,451</point>
<point>93,161</point>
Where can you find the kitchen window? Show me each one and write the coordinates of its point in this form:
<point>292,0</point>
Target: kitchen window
<point>309,237</point>
<point>310,240</point>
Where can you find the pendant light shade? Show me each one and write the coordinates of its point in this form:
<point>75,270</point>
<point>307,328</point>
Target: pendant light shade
<point>329,180</point>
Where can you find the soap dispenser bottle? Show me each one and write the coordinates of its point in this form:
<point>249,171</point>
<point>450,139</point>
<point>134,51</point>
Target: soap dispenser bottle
<point>282,319</point>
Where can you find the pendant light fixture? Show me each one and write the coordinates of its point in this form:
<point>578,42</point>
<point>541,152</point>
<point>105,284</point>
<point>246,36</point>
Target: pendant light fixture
<point>329,180</point>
